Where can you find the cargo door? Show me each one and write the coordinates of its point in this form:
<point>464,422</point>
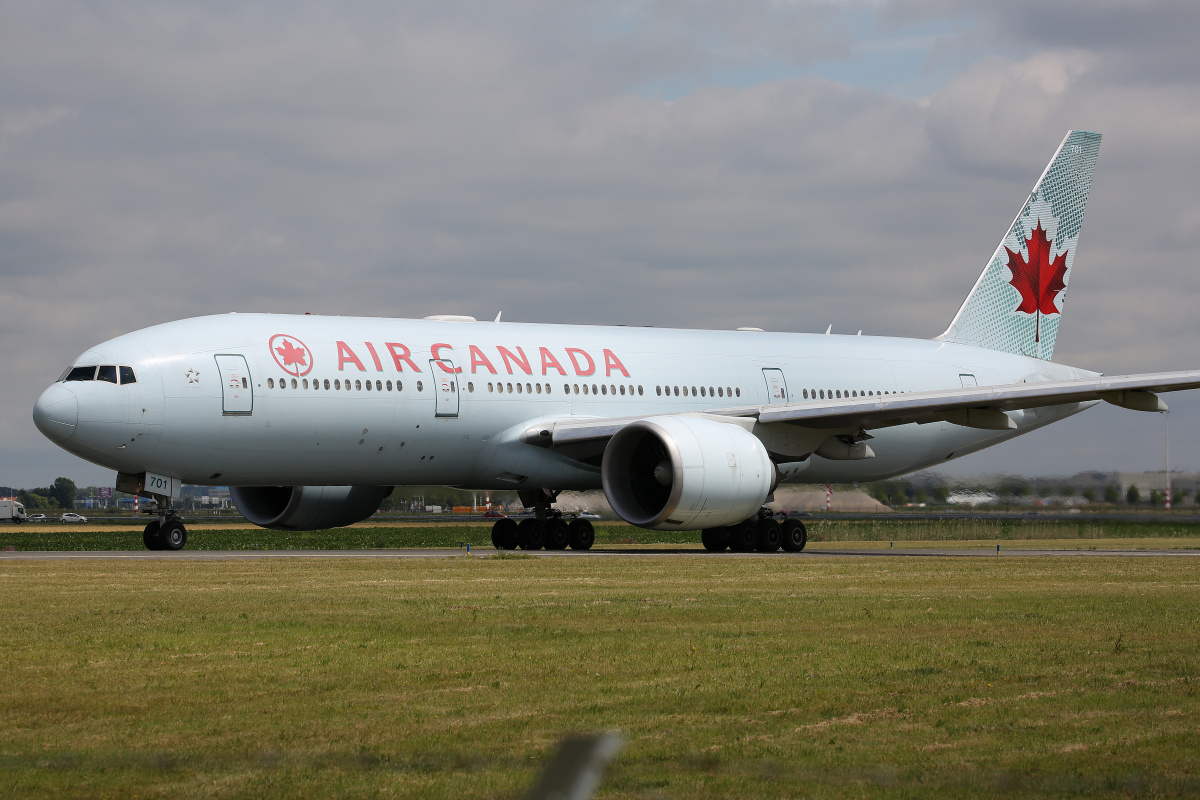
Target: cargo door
<point>445,378</point>
<point>776,386</point>
<point>237,390</point>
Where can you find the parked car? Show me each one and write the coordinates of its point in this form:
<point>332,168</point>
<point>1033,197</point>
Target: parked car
<point>71,516</point>
<point>37,517</point>
<point>493,514</point>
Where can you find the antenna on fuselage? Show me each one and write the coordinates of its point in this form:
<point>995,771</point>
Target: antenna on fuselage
<point>829,330</point>
<point>498,313</point>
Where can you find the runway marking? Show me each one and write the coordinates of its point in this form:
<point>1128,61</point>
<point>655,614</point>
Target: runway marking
<point>239,555</point>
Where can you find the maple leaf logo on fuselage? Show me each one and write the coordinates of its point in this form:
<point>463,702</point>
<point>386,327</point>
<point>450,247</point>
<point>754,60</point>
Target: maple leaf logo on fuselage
<point>1038,279</point>
<point>291,354</point>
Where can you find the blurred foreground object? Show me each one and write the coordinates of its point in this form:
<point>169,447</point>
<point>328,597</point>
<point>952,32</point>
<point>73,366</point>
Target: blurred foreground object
<point>577,767</point>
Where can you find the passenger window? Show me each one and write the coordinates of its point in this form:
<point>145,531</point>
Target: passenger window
<point>368,386</point>
<point>358,385</point>
<point>594,389</point>
<point>337,384</point>
<point>639,390</point>
<point>577,388</point>
<point>127,375</point>
<point>508,388</point>
<point>470,386</point>
<point>379,386</point>
<point>81,374</point>
<point>622,390</point>
<point>658,390</point>
<point>420,386</point>
<point>603,389</point>
<point>399,386</point>
<point>739,392</point>
<point>728,392</point>
<point>547,388</point>
<point>327,383</point>
<point>270,383</point>
<point>676,391</point>
<point>389,386</point>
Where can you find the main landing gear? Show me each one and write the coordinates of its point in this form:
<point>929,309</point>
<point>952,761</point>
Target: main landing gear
<point>549,529</point>
<point>165,533</point>
<point>762,533</point>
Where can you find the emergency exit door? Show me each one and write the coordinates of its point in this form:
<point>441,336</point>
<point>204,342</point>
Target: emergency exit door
<point>237,389</point>
<point>776,386</point>
<point>445,388</point>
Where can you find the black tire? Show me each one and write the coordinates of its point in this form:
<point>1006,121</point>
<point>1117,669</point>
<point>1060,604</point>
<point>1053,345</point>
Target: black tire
<point>531,534</point>
<point>743,537</point>
<point>795,536</point>
<point>504,534</point>
<point>715,540</point>
<point>581,535</point>
<point>150,537</point>
<point>172,535</point>
<point>557,535</point>
<point>770,535</point>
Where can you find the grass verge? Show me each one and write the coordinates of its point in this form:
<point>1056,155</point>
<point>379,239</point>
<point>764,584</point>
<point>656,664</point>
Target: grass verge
<point>756,677</point>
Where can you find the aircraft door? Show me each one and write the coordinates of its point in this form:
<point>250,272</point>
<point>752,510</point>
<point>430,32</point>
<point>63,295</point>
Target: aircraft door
<point>446,387</point>
<point>776,386</point>
<point>237,389</point>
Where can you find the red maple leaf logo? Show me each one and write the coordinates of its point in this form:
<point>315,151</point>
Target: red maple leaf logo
<point>1039,280</point>
<point>291,355</point>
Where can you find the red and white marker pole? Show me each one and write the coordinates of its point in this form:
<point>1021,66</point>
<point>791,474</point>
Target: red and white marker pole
<point>829,497</point>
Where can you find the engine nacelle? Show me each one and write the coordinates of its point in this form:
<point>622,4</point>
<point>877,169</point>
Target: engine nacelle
<point>307,508</point>
<point>686,473</point>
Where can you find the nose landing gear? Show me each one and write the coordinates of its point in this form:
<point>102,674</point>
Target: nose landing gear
<point>165,533</point>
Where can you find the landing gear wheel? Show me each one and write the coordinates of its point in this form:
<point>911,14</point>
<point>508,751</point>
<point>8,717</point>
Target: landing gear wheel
<point>743,537</point>
<point>770,535</point>
<point>557,535</point>
<point>150,537</point>
<point>172,535</point>
<point>715,540</point>
<point>504,534</point>
<point>531,534</point>
<point>581,535</point>
<point>795,536</point>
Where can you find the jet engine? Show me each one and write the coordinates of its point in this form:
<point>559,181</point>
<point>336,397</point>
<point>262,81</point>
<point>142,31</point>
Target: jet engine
<point>307,508</point>
<point>685,473</point>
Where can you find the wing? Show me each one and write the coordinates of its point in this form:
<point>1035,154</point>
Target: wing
<point>975,407</point>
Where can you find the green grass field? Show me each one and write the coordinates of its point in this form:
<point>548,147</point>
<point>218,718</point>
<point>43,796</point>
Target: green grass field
<point>747,677</point>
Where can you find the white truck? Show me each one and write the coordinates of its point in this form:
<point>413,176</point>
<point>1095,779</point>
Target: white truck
<point>12,511</point>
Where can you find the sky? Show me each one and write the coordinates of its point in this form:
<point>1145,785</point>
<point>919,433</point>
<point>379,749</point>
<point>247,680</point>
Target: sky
<point>785,165</point>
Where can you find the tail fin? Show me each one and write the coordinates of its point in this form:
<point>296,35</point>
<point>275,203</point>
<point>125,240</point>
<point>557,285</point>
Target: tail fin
<point>1017,302</point>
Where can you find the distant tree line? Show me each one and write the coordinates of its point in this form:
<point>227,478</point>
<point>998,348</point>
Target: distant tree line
<point>58,495</point>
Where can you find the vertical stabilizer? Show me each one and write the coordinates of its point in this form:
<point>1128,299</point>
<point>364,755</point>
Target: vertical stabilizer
<point>1017,302</point>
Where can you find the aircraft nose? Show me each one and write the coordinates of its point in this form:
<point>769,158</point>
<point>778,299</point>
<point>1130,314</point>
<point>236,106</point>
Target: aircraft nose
<point>56,413</point>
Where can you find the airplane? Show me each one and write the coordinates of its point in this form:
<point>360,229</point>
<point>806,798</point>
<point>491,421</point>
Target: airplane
<point>313,420</point>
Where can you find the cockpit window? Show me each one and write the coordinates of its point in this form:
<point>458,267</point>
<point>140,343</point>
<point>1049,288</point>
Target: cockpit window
<point>81,374</point>
<point>127,375</point>
<point>106,373</point>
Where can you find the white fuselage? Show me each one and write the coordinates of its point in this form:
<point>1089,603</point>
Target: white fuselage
<point>401,416</point>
